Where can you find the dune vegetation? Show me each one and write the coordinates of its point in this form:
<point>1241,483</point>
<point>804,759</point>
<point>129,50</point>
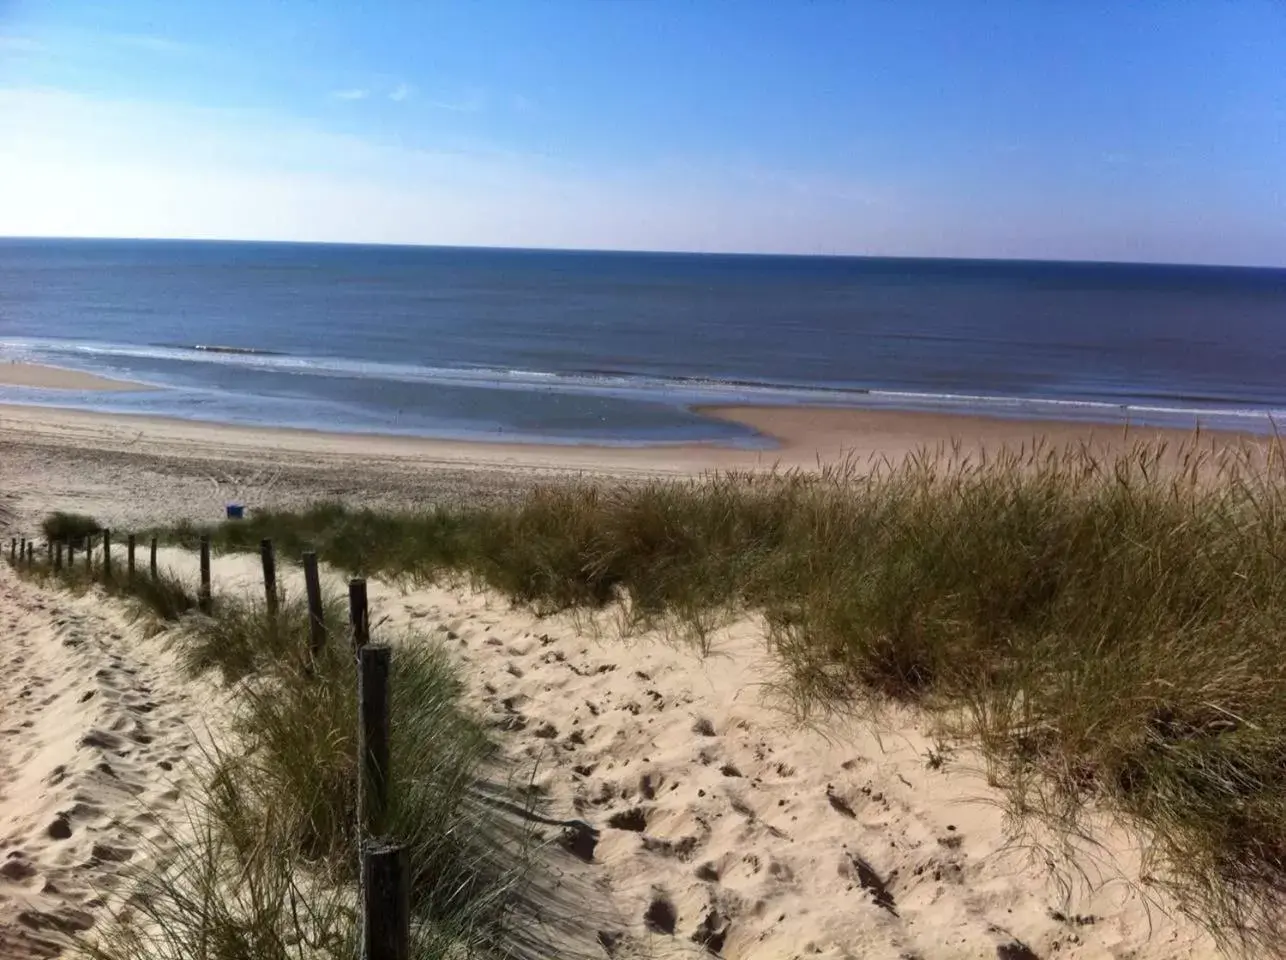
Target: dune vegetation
<point>1109,630</point>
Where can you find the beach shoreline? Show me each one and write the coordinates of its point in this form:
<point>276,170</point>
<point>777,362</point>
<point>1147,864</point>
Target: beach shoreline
<point>43,376</point>
<point>802,436</point>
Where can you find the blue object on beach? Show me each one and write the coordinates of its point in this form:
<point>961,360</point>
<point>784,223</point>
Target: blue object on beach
<point>236,511</point>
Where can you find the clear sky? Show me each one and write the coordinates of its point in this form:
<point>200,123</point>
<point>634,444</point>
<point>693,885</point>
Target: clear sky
<point>1085,129</point>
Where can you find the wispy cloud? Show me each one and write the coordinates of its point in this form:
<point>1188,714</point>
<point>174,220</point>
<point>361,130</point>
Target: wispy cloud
<point>153,43</point>
<point>354,93</point>
<point>474,102</point>
<point>20,44</point>
<point>403,91</point>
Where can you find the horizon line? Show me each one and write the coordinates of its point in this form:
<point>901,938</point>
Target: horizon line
<point>620,251</point>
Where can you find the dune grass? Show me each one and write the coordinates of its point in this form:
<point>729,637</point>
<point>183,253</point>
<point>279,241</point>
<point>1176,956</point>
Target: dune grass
<point>165,598</point>
<point>267,867</point>
<point>1110,630</point>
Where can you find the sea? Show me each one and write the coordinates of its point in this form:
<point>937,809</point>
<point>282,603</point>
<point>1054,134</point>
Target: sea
<point>626,348</point>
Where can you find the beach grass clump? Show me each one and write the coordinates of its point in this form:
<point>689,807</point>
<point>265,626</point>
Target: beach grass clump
<point>163,597</point>
<point>244,637</point>
<point>299,727</point>
<point>69,526</point>
<point>1108,627</point>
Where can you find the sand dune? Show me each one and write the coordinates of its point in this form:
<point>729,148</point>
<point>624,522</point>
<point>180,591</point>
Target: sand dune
<point>725,824</point>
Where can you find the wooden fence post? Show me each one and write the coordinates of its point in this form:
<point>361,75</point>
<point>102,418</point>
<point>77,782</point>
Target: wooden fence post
<point>58,556</point>
<point>316,614</point>
<point>22,548</point>
<point>269,559</point>
<point>205,600</point>
<point>13,549</point>
<point>373,775</point>
<point>49,551</point>
<point>107,554</point>
<point>31,553</point>
<point>130,543</point>
<point>386,903</point>
<point>71,556</point>
<point>152,560</point>
<point>359,616</point>
<point>89,554</point>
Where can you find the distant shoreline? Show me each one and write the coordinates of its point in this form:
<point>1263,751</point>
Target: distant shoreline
<point>802,436</point>
<point>805,438</point>
<point>42,376</point>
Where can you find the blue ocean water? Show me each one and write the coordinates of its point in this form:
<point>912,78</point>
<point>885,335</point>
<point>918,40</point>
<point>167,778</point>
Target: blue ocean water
<point>618,347</point>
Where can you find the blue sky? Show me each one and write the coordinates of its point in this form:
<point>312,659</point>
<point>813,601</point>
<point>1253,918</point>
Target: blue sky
<point>1012,128</point>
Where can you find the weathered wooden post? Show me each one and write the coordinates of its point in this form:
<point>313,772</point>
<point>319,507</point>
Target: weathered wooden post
<point>31,553</point>
<point>13,549</point>
<point>58,556</point>
<point>386,902</point>
<point>107,554</point>
<point>22,548</point>
<point>269,559</point>
<point>71,556</point>
<point>152,559</point>
<point>205,600</point>
<point>49,553</point>
<point>316,614</point>
<point>359,617</point>
<point>89,555</point>
<point>131,542</point>
<point>373,663</point>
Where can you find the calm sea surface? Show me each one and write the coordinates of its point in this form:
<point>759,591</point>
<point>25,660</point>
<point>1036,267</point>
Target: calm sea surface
<point>616,347</point>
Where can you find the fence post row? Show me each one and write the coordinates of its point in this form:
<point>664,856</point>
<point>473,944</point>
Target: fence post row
<point>373,665</point>
<point>386,903</point>
<point>359,616</point>
<point>205,599</point>
<point>316,614</point>
<point>268,558</point>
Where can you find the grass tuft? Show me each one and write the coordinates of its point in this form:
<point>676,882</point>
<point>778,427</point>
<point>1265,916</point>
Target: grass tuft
<point>69,526</point>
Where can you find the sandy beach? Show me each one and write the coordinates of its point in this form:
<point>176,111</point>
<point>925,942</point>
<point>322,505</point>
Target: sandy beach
<point>17,374</point>
<point>136,470</point>
<point>795,841</point>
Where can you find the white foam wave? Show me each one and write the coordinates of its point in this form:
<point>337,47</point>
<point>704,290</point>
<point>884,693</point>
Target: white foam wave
<point>99,356</point>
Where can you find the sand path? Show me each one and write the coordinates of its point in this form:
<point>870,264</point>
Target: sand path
<point>94,728</point>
